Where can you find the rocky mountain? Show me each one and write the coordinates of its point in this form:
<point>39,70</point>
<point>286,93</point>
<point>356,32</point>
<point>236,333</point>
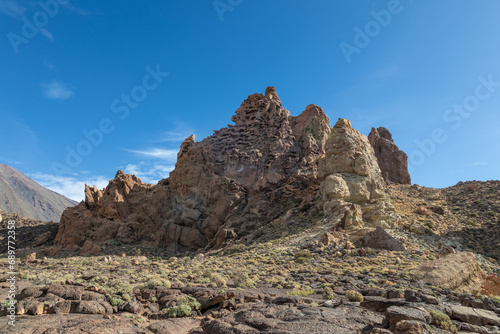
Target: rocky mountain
<point>276,224</point>
<point>22,195</point>
<point>228,185</point>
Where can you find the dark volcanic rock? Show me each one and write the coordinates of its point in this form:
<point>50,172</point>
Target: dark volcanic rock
<point>392,161</point>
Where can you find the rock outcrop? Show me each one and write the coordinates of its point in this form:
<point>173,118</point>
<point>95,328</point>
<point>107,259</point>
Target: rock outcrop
<point>460,272</point>
<point>349,173</point>
<point>392,161</point>
<point>240,178</point>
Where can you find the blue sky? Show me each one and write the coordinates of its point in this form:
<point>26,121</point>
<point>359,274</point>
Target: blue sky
<point>122,83</point>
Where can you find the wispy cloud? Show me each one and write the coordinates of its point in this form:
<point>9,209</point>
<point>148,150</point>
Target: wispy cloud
<point>70,186</point>
<point>56,90</point>
<point>149,172</point>
<point>178,134</point>
<point>79,11</point>
<point>479,163</point>
<point>173,136</point>
<point>47,34</point>
<point>11,8</point>
<point>158,153</point>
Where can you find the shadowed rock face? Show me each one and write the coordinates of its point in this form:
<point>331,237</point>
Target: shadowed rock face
<point>240,178</point>
<point>392,161</point>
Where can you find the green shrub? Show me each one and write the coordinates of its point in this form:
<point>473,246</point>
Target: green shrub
<point>156,282</point>
<point>243,280</point>
<point>327,292</point>
<point>183,308</point>
<point>178,311</point>
<point>306,291</point>
<point>218,280</point>
<point>302,257</point>
<point>121,287</point>
<point>354,296</point>
<point>116,300</point>
<point>126,297</point>
<point>443,321</point>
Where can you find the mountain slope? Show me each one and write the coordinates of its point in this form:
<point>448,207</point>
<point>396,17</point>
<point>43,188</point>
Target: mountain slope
<point>22,195</point>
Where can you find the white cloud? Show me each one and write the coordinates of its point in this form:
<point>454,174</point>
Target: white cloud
<point>148,172</point>
<point>56,90</point>
<point>173,136</point>
<point>11,8</point>
<point>479,163</point>
<point>47,34</point>
<point>158,153</point>
<point>71,187</point>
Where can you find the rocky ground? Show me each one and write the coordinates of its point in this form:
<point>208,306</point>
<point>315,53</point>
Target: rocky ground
<point>275,281</point>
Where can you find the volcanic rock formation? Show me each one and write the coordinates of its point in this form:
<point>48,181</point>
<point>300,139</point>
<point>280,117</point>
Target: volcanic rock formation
<point>392,161</point>
<point>240,178</point>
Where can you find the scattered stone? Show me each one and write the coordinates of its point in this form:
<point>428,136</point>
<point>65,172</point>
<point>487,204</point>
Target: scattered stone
<point>90,248</point>
<point>379,238</point>
<point>29,258</point>
<point>395,314</point>
<point>474,316</point>
<point>422,210</point>
<point>446,250</point>
<point>410,327</point>
<point>134,307</point>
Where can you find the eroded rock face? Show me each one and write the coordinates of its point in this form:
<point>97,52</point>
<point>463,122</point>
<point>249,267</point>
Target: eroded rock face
<point>392,161</point>
<point>240,178</point>
<point>349,173</point>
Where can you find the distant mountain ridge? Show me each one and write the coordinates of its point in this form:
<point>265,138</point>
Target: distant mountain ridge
<point>22,195</point>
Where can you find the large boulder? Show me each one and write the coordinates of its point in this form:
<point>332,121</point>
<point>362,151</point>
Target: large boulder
<point>379,238</point>
<point>392,161</point>
<point>460,272</point>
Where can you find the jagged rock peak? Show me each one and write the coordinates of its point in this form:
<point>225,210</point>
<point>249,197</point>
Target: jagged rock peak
<point>392,161</point>
<point>272,94</point>
<point>242,177</point>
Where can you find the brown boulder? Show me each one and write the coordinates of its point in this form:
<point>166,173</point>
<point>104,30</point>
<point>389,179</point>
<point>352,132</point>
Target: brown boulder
<point>392,161</point>
<point>29,258</point>
<point>90,248</point>
<point>460,272</point>
<point>491,285</point>
<point>379,238</point>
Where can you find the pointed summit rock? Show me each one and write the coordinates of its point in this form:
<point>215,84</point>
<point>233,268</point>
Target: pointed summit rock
<point>349,173</point>
<point>392,161</point>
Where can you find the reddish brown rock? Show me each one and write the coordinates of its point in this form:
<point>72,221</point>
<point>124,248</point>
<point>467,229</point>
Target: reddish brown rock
<point>392,161</point>
<point>491,285</point>
<point>242,177</point>
<point>90,248</point>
